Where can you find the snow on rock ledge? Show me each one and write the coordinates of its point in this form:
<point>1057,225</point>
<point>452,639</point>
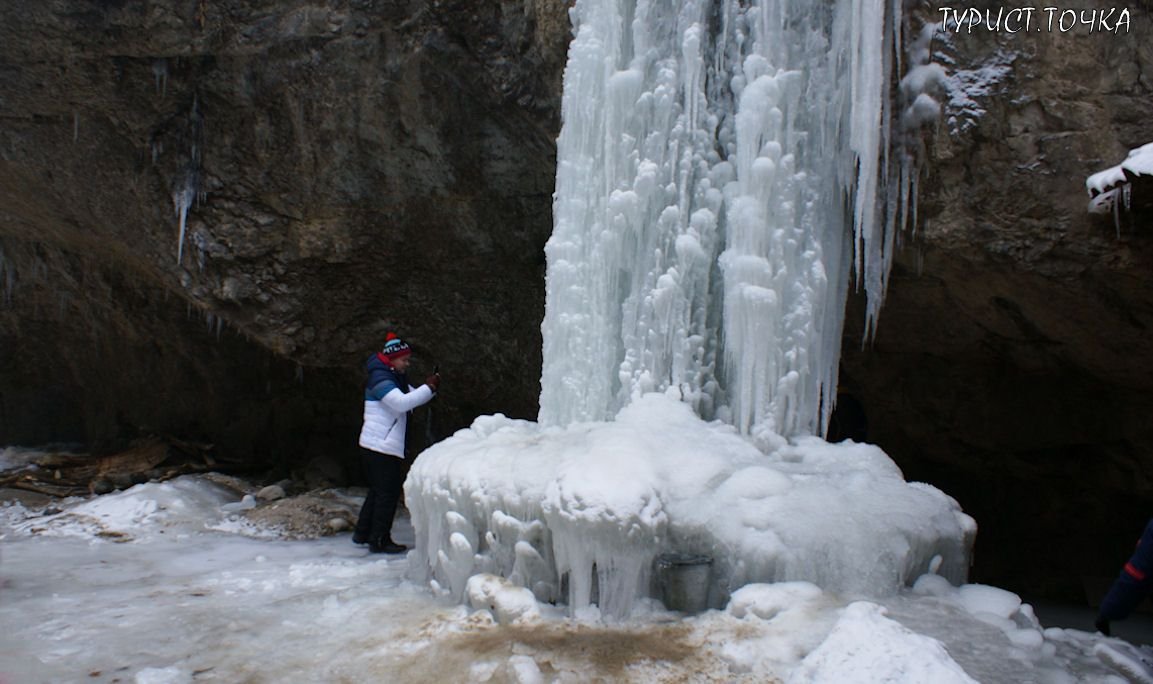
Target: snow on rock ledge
<point>591,505</point>
<point>1109,190</point>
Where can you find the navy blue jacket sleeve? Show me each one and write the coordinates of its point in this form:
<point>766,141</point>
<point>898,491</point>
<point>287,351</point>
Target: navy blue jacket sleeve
<point>1134,582</point>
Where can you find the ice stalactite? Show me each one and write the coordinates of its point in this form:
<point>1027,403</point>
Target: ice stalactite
<point>187,188</point>
<point>183,195</point>
<point>160,75</point>
<point>717,163</point>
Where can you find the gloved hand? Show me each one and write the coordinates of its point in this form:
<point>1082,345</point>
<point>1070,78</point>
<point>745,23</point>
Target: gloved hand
<point>1102,626</point>
<point>433,381</point>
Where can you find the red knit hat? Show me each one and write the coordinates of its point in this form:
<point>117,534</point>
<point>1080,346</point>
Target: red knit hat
<point>395,348</point>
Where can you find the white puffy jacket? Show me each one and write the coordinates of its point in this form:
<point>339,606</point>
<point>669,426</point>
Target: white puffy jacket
<point>386,419</point>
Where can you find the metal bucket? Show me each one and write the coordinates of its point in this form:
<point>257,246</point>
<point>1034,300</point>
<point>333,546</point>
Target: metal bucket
<point>683,579</point>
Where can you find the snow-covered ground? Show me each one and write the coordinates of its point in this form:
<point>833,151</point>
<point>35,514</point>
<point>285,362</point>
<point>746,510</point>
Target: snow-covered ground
<point>160,584</point>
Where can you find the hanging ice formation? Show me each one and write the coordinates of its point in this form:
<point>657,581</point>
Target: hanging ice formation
<point>186,189</point>
<point>160,75</point>
<point>1111,190</point>
<point>719,163</point>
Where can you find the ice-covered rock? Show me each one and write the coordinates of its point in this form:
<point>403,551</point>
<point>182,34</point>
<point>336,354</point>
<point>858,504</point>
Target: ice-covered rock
<point>507,602</point>
<point>590,506</point>
<point>1110,190</point>
<point>866,646</point>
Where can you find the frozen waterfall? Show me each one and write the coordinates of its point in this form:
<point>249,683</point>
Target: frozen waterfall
<point>718,162</point>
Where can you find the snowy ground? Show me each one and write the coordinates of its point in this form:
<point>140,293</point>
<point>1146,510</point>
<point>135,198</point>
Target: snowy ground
<point>159,584</point>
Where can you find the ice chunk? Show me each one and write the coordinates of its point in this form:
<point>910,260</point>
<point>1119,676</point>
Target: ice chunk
<point>866,646</point>
<point>246,503</point>
<point>507,602</point>
<point>766,601</point>
<point>980,598</point>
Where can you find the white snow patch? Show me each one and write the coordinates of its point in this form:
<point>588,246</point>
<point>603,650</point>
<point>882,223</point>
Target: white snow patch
<point>865,647</point>
<point>1139,162</point>
<point>966,90</point>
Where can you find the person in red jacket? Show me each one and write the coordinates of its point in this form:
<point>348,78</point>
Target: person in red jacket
<point>387,400</point>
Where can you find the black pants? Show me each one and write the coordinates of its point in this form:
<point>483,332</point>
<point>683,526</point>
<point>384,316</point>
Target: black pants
<point>385,479</point>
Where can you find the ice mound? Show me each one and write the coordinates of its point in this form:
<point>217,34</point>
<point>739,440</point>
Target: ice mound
<point>865,646</point>
<point>135,513</point>
<point>578,514</point>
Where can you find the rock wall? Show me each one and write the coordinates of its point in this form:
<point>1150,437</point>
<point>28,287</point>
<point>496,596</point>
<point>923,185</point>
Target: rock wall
<point>345,168</point>
<point>1012,366</point>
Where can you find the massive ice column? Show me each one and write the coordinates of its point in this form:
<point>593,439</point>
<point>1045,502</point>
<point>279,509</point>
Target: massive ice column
<point>714,162</point>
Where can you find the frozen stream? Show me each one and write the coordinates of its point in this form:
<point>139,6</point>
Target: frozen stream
<point>158,584</point>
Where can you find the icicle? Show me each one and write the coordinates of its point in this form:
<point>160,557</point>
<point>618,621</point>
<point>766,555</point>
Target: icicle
<point>1120,196</point>
<point>181,201</point>
<point>160,75</point>
<point>299,374</point>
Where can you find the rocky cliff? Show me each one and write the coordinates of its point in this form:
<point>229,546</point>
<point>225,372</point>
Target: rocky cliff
<point>346,167</point>
<point>1012,365</point>
<point>340,168</point>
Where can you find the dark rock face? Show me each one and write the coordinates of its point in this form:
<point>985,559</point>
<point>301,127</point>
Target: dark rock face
<point>346,168</point>
<point>356,165</point>
<point>1012,365</point>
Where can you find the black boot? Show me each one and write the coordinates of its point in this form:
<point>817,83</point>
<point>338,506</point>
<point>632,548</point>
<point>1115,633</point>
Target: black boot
<point>386,546</point>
